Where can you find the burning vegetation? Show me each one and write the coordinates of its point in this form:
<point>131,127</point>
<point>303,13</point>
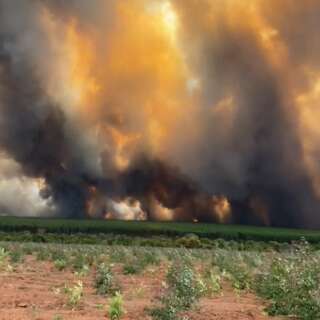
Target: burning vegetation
<point>178,110</point>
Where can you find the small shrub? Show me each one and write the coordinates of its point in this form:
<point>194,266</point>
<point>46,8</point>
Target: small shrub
<point>80,265</point>
<point>184,290</point>
<point>118,255</point>
<point>57,255</point>
<point>78,262</point>
<point>130,269</point>
<point>150,258</point>
<point>4,263</point>
<point>16,256</point>
<point>292,285</point>
<point>189,241</point>
<point>84,271</point>
<point>240,278</point>
<point>3,256</point>
<point>60,264</point>
<point>213,281</point>
<point>104,282</point>
<point>139,260</point>
<point>185,285</point>
<point>233,267</point>
<point>42,255</point>
<point>167,312</point>
<point>74,294</point>
<point>116,307</point>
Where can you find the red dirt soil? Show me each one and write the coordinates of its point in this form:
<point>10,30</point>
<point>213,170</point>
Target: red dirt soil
<point>31,292</point>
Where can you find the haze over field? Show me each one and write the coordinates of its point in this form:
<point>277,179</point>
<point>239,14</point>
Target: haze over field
<point>187,110</point>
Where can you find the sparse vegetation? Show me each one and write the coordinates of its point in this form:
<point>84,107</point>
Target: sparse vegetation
<point>16,256</point>
<point>3,256</point>
<point>74,294</point>
<point>60,264</point>
<point>213,283</point>
<point>105,282</point>
<point>116,307</point>
<point>183,290</point>
<point>292,284</point>
<point>286,276</point>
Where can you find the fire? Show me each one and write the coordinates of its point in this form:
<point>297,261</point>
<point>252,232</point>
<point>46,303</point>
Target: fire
<point>128,209</point>
<point>123,144</point>
<point>95,203</point>
<point>168,110</point>
<point>222,208</point>
<point>160,212</point>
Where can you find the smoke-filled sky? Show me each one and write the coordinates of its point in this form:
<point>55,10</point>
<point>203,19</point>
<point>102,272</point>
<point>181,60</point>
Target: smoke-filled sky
<point>187,110</point>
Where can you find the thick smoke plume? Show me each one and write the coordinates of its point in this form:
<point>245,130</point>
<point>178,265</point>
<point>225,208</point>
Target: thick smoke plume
<point>187,110</point>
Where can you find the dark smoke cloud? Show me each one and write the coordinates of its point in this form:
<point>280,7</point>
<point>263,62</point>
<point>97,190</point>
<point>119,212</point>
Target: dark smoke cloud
<point>248,147</point>
<point>32,132</point>
<point>263,144</point>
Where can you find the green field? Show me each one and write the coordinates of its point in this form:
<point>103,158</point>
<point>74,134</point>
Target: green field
<point>147,229</point>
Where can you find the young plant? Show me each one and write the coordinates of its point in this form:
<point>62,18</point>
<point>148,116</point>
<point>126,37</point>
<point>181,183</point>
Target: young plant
<point>16,256</point>
<point>214,283</point>
<point>80,265</point>
<point>104,282</point>
<point>148,258</point>
<point>42,255</point>
<point>185,285</point>
<point>233,267</point>
<point>130,269</point>
<point>292,285</point>
<point>116,307</point>
<point>3,256</point>
<point>60,264</point>
<point>4,263</point>
<point>74,294</point>
<point>183,290</point>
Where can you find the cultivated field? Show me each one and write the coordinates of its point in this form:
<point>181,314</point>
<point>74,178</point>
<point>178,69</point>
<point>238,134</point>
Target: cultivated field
<point>228,281</point>
<point>149,229</point>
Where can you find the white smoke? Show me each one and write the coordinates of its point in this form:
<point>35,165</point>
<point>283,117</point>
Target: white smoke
<point>21,195</point>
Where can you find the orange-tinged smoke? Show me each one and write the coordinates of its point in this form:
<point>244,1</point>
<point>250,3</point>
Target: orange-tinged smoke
<point>128,209</point>
<point>308,103</point>
<point>166,109</point>
<point>136,73</point>
<point>80,56</point>
<point>130,84</point>
<point>161,213</point>
<point>222,208</point>
<point>138,76</point>
<point>123,145</point>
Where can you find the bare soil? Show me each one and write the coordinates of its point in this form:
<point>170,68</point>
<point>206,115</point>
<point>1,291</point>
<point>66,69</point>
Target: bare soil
<point>34,291</point>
